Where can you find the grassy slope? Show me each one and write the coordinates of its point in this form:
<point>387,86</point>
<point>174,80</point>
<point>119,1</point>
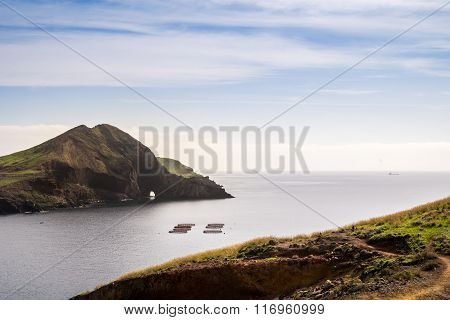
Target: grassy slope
<point>426,226</point>
<point>176,167</point>
<point>21,166</point>
<point>24,159</point>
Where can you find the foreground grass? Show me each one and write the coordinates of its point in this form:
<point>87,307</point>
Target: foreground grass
<point>221,253</point>
<point>423,227</point>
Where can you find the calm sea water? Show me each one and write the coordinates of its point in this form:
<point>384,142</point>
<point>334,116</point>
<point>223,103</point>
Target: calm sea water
<point>31,244</point>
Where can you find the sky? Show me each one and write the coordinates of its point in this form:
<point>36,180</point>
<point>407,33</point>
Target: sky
<point>235,63</point>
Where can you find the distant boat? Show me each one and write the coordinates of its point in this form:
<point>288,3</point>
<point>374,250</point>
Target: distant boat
<point>394,173</point>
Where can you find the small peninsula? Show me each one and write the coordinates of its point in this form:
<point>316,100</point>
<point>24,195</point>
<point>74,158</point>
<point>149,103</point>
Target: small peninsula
<point>86,166</point>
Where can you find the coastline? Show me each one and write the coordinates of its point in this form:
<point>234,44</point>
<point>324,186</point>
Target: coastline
<point>115,204</point>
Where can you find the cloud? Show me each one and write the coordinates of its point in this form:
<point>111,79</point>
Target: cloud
<point>180,58</point>
<point>354,16</point>
<point>188,42</point>
<point>336,5</point>
<point>158,60</point>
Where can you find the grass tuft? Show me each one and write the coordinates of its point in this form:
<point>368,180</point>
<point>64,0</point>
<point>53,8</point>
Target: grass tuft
<point>222,253</point>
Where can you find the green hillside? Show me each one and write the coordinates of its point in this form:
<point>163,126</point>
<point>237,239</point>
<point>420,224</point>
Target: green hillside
<point>176,167</point>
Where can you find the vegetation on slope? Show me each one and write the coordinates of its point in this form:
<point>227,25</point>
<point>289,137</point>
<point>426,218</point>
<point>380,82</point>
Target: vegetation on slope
<point>415,230</point>
<point>21,166</point>
<point>176,167</point>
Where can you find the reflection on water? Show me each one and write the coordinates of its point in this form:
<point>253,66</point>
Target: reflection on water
<point>32,243</point>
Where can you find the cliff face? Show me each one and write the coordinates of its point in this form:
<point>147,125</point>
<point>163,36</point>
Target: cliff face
<point>85,166</point>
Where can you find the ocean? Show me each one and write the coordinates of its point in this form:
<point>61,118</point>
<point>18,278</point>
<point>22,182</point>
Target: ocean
<point>59,254</point>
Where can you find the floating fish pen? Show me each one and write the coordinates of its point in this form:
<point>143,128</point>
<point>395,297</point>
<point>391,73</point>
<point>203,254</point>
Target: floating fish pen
<point>186,227</point>
<point>179,231</point>
<point>215,226</point>
<point>182,228</point>
<point>178,227</point>
<point>212,231</point>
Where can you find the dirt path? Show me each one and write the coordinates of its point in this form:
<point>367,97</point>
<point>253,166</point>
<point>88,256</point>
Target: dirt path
<point>437,289</point>
<point>363,244</point>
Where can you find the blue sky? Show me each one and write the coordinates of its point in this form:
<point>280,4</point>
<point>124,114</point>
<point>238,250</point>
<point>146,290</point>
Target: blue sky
<point>231,62</point>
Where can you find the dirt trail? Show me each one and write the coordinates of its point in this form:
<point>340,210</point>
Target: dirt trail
<point>363,244</point>
<point>437,289</point>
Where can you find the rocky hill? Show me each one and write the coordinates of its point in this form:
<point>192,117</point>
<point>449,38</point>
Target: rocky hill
<point>85,166</point>
<point>400,256</point>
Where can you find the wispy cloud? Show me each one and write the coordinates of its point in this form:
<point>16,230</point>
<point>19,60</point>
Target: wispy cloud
<point>159,60</point>
<point>179,42</point>
<point>336,5</point>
